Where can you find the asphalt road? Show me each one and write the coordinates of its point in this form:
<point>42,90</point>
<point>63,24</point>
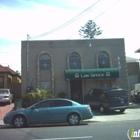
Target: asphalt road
<point>84,131</point>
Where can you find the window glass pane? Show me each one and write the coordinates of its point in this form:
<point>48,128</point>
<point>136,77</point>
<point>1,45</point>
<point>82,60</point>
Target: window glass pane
<point>45,85</point>
<point>57,103</point>
<point>2,91</point>
<point>75,61</point>
<point>43,104</point>
<point>45,62</point>
<point>103,60</point>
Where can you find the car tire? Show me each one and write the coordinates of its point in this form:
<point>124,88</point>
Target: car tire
<point>19,121</point>
<point>102,109</point>
<point>74,119</point>
<point>122,110</point>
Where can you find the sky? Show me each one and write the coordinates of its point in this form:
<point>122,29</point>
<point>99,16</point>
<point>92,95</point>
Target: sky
<point>62,19</point>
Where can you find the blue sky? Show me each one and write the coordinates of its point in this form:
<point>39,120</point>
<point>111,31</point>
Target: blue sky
<point>117,19</point>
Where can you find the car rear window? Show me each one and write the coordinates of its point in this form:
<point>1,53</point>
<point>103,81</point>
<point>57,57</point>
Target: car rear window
<point>2,91</point>
<point>117,93</point>
<point>57,103</point>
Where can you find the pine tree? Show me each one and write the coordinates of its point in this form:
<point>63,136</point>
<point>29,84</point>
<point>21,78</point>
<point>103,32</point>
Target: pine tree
<point>90,30</point>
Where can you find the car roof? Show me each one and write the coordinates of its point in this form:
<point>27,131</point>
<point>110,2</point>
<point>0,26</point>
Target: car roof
<point>58,99</point>
<point>108,88</point>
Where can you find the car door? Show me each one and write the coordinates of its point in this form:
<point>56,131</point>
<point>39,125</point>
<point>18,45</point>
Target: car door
<point>60,110</point>
<point>89,97</point>
<point>40,113</point>
<point>95,97</point>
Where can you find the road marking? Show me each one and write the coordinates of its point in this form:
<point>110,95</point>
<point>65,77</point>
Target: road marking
<point>68,138</point>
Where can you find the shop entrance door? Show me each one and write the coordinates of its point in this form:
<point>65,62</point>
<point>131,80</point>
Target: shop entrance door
<point>76,90</point>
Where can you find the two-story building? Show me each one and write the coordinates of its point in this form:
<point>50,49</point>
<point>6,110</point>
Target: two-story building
<point>73,66</point>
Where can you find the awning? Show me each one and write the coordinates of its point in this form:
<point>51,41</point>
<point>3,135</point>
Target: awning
<point>77,74</point>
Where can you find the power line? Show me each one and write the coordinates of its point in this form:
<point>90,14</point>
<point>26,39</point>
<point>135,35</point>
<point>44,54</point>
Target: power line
<point>101,14</point>
<point>70,21</point>
<point>106,9</point>
<point>63,41</point>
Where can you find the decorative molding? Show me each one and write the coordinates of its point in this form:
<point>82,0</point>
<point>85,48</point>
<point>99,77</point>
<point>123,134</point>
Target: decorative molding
<point>108,53</point>
<point>81,58</point>
<point>52,70</point>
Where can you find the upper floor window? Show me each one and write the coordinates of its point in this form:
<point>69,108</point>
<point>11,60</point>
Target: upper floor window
<point>103,60</point>
<point>74,61</point>
<point>45,62</point>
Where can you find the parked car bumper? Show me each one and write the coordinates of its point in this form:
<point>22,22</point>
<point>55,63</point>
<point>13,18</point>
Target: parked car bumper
<point>87,116</point>
<point>118,108</point>
<point>4,100</point>
<point>7,120</point>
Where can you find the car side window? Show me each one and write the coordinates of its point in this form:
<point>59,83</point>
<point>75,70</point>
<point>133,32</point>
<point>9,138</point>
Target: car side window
<point>102,95</point>
<point>91,92</point>
<point>43,104</point>
<point>58,103</point>
<point>95,93</point>
<point>98,93</point>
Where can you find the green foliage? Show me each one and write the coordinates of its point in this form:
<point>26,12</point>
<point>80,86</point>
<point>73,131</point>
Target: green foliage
<point>62,95</point>
<point>35,96</point>
<point>90,30</point>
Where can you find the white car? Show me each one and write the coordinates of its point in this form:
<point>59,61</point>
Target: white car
<point>6,96</point>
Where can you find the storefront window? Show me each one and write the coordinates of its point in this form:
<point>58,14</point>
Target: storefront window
<point>45,62</point>
<point>75,61</point>
<point>103,60</point>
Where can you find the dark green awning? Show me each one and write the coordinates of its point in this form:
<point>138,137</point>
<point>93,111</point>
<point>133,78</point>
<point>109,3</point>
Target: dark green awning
<point>77,74</point>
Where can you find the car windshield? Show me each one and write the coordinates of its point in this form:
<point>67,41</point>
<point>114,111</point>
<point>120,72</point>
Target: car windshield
<point>3,91</point>
<point>117,93</point>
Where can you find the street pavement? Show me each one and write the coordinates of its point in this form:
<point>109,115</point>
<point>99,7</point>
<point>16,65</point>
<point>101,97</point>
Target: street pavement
<point>133,113</point>
<point>130,114</point>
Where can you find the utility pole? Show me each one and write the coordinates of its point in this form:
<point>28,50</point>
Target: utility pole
<point>27,63</point>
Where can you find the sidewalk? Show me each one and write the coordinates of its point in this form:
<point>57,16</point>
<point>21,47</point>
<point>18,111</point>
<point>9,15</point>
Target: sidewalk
<point>4,109</point>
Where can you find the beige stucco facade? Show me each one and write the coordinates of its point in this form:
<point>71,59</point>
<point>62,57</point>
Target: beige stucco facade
<point>59,52</point>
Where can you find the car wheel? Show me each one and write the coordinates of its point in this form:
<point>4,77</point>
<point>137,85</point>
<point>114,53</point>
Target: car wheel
<point>73,119</point>
<point>102,110</point>
<point>19,121</point>
<point>122,110</point>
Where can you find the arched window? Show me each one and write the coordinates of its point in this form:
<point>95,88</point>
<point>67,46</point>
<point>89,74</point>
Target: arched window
<point>45,62</point>
<point>103,60</point>
<point>74,61</point>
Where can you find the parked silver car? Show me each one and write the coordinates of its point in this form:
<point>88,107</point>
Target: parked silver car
<point>6,96</point>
